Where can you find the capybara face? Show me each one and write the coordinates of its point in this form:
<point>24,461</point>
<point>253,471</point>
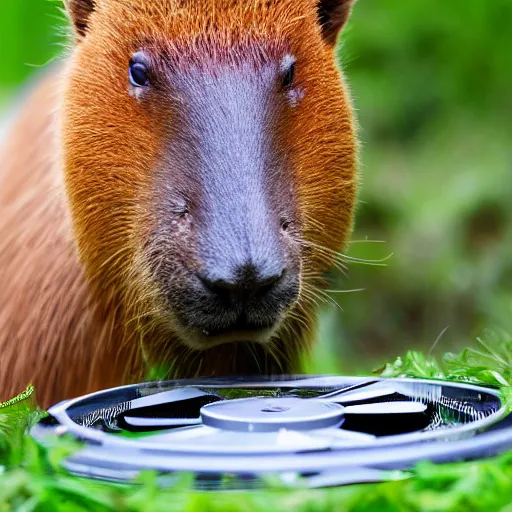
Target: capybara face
<point>209,159</point>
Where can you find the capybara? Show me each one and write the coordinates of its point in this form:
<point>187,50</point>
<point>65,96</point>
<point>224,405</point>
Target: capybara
<point>173,192</point>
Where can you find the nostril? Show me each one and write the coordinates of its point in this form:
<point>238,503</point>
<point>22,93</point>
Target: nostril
<point>247,285</point>
<point>217,286</point>
<point>266,285</point>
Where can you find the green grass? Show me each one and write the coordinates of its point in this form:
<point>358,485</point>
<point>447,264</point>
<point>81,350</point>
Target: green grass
<point>32,479</point>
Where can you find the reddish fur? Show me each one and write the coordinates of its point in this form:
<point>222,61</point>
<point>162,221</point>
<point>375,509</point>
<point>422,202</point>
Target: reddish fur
<point>78,311</point>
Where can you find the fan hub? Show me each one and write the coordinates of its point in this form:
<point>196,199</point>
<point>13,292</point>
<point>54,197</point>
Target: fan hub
<point>264,414</point>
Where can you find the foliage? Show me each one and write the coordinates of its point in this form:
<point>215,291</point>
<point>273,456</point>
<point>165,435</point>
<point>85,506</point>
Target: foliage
<point>471,487</point>
<point>490,363</point>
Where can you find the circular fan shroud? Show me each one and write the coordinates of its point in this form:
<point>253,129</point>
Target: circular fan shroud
<point>329,430</point>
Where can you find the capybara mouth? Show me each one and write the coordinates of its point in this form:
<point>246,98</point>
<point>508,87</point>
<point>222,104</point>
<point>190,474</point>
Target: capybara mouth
<point>241,331</point>
<point>204,317</point>
<point>239,327</point>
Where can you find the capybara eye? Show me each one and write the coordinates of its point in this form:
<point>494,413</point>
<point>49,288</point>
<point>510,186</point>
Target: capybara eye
<point>289,73</point>
<point>138,71</point>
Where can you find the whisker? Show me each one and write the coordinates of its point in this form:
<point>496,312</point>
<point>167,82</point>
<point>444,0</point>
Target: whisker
<point>366,242</point>
<point>345,257</point>
<point>346,291</point>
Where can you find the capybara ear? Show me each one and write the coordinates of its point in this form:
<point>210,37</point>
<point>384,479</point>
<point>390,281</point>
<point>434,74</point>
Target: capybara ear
<point>333,14</point>
<point>79,12</point>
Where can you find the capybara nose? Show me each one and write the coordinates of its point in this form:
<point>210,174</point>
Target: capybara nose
<point>246,282</point>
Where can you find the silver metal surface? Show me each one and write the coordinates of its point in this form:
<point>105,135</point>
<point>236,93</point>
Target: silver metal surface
<point>264,414</point>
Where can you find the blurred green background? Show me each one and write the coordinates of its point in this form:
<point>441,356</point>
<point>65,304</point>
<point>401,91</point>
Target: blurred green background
<point>431,83</point>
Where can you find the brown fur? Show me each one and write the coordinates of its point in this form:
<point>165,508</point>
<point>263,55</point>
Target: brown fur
<point>78,309</point>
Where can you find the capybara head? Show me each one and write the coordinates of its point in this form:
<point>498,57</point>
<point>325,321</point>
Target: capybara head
<point>209,159</point>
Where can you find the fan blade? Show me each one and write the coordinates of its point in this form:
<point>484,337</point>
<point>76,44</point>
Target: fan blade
<point>386,408</point>
<point>300,441</point>
<point>179,435</point>
<point>338,434</point>
<point>164,397</point>
<point>208,440</point>
<point>136,421</point>
<point>386,418</point>
<point>174,408</point>
<point>358,395</point>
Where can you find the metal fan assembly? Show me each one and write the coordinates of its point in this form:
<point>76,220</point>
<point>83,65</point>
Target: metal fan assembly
<point>321,430</point>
